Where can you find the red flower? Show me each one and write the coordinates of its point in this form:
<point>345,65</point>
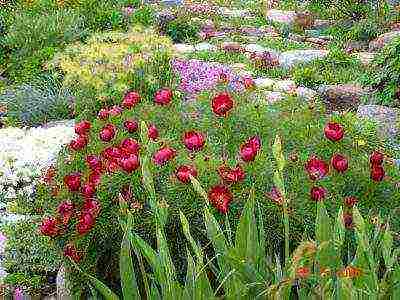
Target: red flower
<point>163,96</point>
<point>183,173</point>
<point>111,166</point>
<point>377,173</point>
<point>91,206</point>
<point>130,145</point>
<point>107,133</point>
<point>71,252</point>
<point>348,220</point>
<point>334,131</point>
<point>73,181</point>
<point>316,168</point>
<point>131,126</point>
<point>249,149</point>
<point>303,272</point>
<point>340,163</point>
<point>66,210</point>
<point>220,197</point>
<point>79,143</point>
<point>194,140</point>
<point>221,104</point>
<point>152,132</point>
<point>130,99</point>
<point>115,111</point>
<point>103,114</point>
<point>350,201</point>
<point>276,196</point>
<point>163,155</point>
<point>93,162</point>
<point>82,127</point>
<point>85,223</point>
<point>49,227</point>
<point>129,164</point>
<point>88,190</point>
<point>95,177</point>
<point>376,158</point>
<point>112,153</point>
<point>231,176</point>
<point>248,83</point>
<point>318,193</point>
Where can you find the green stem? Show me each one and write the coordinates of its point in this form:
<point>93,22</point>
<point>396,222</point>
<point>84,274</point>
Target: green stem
<point>286,229</point>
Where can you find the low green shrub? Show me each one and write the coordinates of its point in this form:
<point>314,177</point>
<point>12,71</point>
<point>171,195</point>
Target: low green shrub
<point>182,31</point>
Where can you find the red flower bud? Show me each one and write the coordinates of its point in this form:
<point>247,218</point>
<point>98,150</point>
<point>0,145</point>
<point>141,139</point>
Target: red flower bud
<point>107,133</point>
<point>194,140</point>
<point>115,111</point>
<point>92,207</point>
<point>318,193</point>
<point>129,164</point>
<point>231,176</point>
<point>85,223</point>
<point>95,177</point>
<point>348,220</point>
<point>71,252</point>
<point>130,99</point>
<point>93,162</point>
<point>66,210</point>
<point>222,104</point>
<point>103,114</point>
<point>131,126</point>
<point>130,145</point>
<point>112,153</point>
<point>73,181</point>
<point>82,128</point>
<point>220,197</point>
<point>340,163</point>
<point>350,201</point>
<point>112,166</point>
<point>49,227</point>
<point>88,190</point>
<point>79,143</point>
<point>377,173</point>
<point>183,173</point>
<point>152,132</point>
<point>334,131</point>
<point>163,96</point>
<point>376,158</point>
<point>163,155</point>
<point>249,149</point>
<point>316,168</point>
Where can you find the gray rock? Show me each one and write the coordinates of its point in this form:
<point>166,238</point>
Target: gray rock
<point>342,97</point>
<point>382,40</point>
<point>287,17</point>
<point>306,94</point>
<point>205,47</point>
<point>264,83</point>
<point>292,58</point>
<point>184,48</point>
<point>386,118</point>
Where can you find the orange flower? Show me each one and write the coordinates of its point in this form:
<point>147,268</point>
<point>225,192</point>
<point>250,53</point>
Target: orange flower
<point>350,272</point>
<point>302,272</point>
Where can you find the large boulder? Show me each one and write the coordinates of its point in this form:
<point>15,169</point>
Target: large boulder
<point>292,58</point>
<point>342,96</point>
<point>384,39</point>
<point>386,118</point>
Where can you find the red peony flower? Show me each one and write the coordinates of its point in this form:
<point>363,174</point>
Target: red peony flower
<point>129,164</point>
<point>249,149</point>
<point>130,99</point>
<point>222,104</point>
<point>103,114</point>
<point>115,111</point>
<point>183,173</point>
<point>163,155</point>
<point>316,168</point>
<point>130,145</point>
<point>88,190</point>
<point>71,252</point>
<point>340,163</point>
<point>82,128</point>
<point>95,177</point>
<point>91,206</point>
<point>131,126</point>
<point>66,210</point>
<point>73,181</point>
<point>85,223</point>
<point>163,96</point>
<point>376,158</point>
<point>318,193</point>
<point>152,132</point>
<point>79,143</point>
<point>231,176</point>
<point>334,131</point>
<point>93,162</point>
<point>107,133</point>
<point>49,227</point>
<point>377,173</point>
<point>220,197</point>
<point>350,201</point>
<point>111,153</point>
<point>194,140</point>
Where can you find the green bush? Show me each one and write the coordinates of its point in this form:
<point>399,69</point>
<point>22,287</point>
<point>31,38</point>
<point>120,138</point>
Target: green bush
<point>182,31</point>
<point>384,75</point>
<point>30,261</point>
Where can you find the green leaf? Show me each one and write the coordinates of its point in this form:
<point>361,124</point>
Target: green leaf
<point>278,181</point>
<point>323,224</point>
<point>387,245</point>
<point>198,188</point>
<point>278,153</point>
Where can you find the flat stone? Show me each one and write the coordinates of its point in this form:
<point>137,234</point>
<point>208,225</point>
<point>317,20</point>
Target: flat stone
<point>317,41</point>
<point>306,94</point>
<point>382,40</point>
<point>231,47</point>
<point>273,97</point>
<point>386,118</point>
<point>254,48</point>
<point>281,16</point>
<point>366,58</point>
<point>355,46</point>
<point>342,97</point>
<point>292,58</point>
<point>287,86</point>
<point>184,48</point>
<point>205,47</point>
<point>233,13</point>
<point>264,83</point>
